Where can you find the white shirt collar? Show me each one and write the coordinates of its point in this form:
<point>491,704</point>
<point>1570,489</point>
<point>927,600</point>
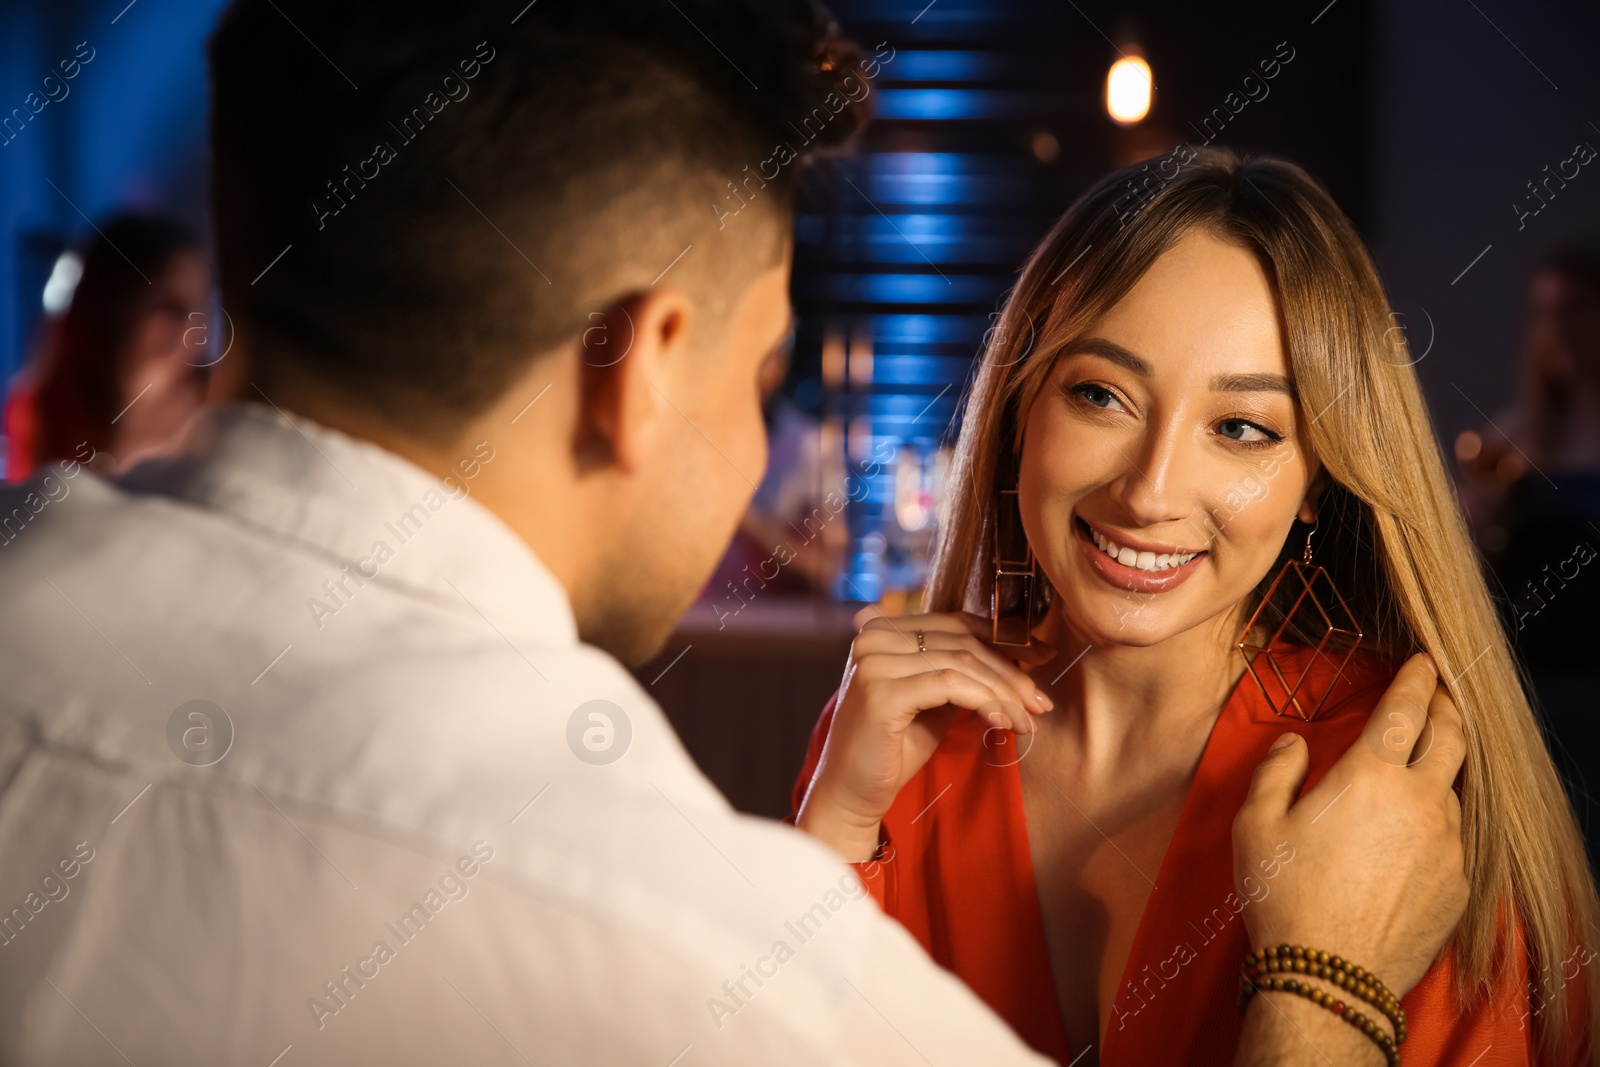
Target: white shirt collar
<point>345,496</point>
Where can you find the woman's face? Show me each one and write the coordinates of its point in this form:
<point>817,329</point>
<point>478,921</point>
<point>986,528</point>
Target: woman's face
<point>162,381</point>
<point>1170,437</point>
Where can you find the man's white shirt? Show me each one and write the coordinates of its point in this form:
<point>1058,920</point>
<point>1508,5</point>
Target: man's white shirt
<point>302,761</point>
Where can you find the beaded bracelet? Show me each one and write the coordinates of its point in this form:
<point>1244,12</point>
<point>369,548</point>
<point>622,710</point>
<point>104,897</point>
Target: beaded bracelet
<point>1385,1043</point>
<point>1319,964</point>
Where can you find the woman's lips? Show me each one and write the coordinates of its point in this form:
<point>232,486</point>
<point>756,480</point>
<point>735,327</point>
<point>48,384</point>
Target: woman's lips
<point>1132,579</point>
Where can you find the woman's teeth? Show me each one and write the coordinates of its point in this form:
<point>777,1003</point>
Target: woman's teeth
<point>1144,561</point>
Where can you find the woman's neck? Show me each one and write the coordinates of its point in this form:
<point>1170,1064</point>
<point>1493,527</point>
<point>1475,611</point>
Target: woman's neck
<point>1125,702</point>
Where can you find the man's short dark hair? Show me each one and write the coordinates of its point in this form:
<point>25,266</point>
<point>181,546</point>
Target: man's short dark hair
<point>413,197</point>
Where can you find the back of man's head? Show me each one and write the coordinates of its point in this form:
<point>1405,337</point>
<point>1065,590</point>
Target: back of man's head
<point>413,198</point>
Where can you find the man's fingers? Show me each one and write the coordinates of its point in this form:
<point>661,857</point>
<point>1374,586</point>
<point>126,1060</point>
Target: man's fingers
<point>1446,744</point>
<point>1277,779</point>
<point>1402,712</point>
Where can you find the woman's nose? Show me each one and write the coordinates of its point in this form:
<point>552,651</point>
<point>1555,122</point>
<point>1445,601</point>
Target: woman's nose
<point>1156,484</point>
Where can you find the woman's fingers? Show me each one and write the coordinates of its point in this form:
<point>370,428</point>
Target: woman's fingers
<point>983,629</point>
<point>1028,692</point>
<point>906,680</point>
<point>946,685</point>
<point>872,617</point>
<point>954,622</point>
<point>1000,689</point>
<point>944,632</point>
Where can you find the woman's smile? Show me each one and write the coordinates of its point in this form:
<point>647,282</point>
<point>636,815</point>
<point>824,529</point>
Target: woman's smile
<point>1136,566</point>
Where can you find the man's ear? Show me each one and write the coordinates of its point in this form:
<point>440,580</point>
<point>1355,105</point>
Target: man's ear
<point>625,350</point>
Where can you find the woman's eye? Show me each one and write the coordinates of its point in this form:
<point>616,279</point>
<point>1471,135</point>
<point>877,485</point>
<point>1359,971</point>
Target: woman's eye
<point>1098,395</point>
<point>1247,432</point>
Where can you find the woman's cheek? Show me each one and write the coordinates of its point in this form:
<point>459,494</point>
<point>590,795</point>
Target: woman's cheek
<point>1249,523</point>
<point>1071,458</point>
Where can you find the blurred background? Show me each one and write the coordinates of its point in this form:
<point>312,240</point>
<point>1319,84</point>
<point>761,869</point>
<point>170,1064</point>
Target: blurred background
<point>1458,135</point>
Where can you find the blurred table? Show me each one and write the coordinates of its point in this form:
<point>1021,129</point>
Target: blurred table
<point>744,691</point>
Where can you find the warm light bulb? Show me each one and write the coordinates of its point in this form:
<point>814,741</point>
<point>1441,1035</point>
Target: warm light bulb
<point>1128,89</point>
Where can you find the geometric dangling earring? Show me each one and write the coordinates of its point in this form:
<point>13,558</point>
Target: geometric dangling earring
<point>1011,598</point>
<point>1316,617</point>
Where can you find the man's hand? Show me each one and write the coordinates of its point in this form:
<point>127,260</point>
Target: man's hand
<point>1377,875</point>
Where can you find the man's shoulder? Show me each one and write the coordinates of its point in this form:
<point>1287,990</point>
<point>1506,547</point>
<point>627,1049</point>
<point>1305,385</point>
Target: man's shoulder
<point>620,878</point>
<point>54,501</point>
<point>244,787</point>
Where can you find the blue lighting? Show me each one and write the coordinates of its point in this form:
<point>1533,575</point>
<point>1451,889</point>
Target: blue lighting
<point>941,66</point>
<point>924,329</point>
<point>912,370</point>
<point>918,163</point>
<point>913,289</point>
<point>947,104</point>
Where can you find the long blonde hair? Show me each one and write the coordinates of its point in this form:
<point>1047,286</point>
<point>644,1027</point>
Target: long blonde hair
<point>1404,558</point>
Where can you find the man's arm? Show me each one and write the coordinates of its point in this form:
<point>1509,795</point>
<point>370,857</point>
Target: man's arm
<point>1382,885</point>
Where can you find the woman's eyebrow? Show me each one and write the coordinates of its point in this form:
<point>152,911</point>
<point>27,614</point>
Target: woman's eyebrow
<point>1105,349</point>
<point>1254,383</point>
<point>1222,383</point>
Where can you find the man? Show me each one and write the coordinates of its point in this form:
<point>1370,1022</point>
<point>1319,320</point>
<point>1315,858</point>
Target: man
<point>314,745</point>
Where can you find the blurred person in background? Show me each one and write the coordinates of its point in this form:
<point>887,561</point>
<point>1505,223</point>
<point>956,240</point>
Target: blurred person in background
<point>119,373</point>
<point>1532,483</point>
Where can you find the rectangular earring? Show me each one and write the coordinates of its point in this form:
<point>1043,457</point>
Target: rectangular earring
<point>1011,598</point>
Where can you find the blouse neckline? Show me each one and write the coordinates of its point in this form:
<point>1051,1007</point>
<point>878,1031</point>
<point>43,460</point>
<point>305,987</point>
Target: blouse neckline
<point>1235,741</point>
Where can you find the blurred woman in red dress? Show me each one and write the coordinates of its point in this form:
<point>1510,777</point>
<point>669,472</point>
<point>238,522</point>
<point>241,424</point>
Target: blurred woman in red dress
<point>122,369</point>
<point>1195,387</point>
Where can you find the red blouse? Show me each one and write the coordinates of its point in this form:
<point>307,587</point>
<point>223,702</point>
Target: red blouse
<point>958,874</point>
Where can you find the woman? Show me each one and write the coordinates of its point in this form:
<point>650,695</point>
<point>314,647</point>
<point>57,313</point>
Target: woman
<point>122,370</point>
<point>1196,381</point>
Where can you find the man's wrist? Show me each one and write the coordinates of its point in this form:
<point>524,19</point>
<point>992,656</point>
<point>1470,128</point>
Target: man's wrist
<point>1350,1000</point>
<point>1341,982</point>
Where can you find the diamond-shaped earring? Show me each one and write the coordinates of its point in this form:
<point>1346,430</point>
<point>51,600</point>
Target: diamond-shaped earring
<point>1324,622</point>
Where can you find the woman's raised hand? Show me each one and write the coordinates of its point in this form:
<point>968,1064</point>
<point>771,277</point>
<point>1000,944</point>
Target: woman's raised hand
<point>906,680</point>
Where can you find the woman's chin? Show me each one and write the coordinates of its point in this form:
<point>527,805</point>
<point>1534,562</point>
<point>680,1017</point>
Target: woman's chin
<point>1109,626</point>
